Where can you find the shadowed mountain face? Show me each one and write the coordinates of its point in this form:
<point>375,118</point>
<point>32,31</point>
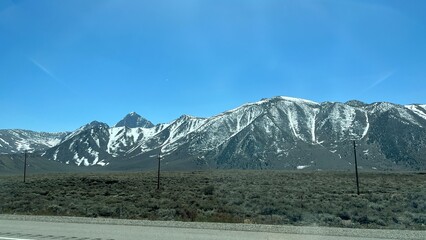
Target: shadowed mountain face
<point>277,133</point>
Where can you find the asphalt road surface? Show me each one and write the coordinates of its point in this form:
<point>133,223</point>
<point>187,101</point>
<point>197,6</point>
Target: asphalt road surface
<point>67,228</point>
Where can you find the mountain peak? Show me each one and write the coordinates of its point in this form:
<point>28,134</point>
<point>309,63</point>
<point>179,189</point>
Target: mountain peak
<point>133,120</point>
<point>94,124</point>
<point>186,116</point>
<point>356,103</point>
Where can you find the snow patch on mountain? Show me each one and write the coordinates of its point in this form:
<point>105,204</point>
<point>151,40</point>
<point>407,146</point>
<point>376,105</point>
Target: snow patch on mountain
<point>17,140</point>
<point>302,167</point>
<point>23,145</point>
<point>346,122</point>
<point>343,116</point>
<point>419,110</point>
<point>381,107</point>
<point>301,117</point>
<point>313,123</point>
<point>179,129</point>
<point>55,155</point>
<point>81,160</point>
<point>73,134</point>
<point>367,127</point>
<point>404,113</point>
<point>220,128</point>
<point>298,100</point>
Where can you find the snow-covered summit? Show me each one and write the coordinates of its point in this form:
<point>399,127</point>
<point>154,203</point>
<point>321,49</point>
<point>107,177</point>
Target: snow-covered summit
<point>267,101</point>
<point>282,98</point>
<point>297,100</point>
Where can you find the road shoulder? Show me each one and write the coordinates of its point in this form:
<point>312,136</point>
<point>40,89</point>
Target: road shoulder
<point>307,230</point>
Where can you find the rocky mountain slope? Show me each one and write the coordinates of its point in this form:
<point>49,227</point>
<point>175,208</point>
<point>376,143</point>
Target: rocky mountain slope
<point>17,140</point>
<point>276,133</point>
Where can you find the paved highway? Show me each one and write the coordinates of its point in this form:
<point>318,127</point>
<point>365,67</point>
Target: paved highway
<point>36,228</point>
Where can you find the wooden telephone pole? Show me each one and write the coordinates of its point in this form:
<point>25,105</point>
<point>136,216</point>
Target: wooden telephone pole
<point>158,174</point>
<point>356,170</point>
<point>25,164</point>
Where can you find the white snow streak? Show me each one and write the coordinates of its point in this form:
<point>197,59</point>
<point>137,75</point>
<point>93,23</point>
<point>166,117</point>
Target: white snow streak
<point>313,123</point>
<point>293,123</point>
<point>55,155</point>
<point>1,139</point>
<point>367,127</point>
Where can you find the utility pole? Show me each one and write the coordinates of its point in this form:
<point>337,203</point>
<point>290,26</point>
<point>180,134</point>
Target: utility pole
<point>25,164</point>
<point>356,169</point>
<point>158,174</point>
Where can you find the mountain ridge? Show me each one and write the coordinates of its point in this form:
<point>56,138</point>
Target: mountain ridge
<point>278,133</point>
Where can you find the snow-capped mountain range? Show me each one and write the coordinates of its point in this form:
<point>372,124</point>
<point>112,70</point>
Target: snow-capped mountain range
<point>276,133</point>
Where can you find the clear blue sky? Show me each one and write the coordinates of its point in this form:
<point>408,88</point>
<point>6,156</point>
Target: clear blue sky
<point>66,63</point>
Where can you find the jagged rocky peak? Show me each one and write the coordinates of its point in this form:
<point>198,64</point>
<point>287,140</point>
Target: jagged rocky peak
<point>96,124</point>
<point>188,117</point>
<point>133,120</point>
<point>328,104</point>
<point>356,103</point>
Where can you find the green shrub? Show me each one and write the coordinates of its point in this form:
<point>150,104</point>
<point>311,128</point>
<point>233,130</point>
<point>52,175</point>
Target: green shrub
<point>344,215</point>
<point>209,190</point>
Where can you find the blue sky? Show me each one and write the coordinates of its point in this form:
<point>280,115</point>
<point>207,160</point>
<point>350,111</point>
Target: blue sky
<point>66,63</point>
